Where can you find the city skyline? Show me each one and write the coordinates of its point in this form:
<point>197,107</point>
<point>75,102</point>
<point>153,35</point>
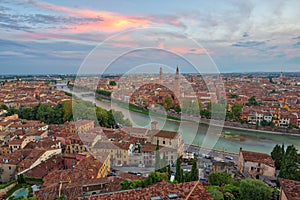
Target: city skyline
<point>54,37</point>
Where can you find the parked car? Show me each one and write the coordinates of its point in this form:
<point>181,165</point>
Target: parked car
<point>229,157</point>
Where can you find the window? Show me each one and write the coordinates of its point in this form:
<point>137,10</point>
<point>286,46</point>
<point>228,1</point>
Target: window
<point>164,142</point>
<point>9,167</point>
<point>252,168</point>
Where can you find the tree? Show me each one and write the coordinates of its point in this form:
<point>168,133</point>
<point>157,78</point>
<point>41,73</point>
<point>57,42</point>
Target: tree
<point>67,108</point>
<point>222,101</point>
<point>154,177</point>
<point>177,108</point>
<point>236,111</point>
<point>21,179</point>
<point>157,158</point>
<point>169,171</point>
<point>3,107</point>
<point>231,189</point>
<point>252,101</point>
<point>191,106</point>
<point>164,164</point>
<point>168,103</point>
<point>136,184</point>
<point>12,111</point>
<point>194,171</point>
<point>200,105</point>
<point>219,178</point>
<point>253,189</point>
<point>112,83</point>
<point>218,111</point>
<point>264,123</point>
<point>215,193</point>
<point>277,155</point>
<point>179,171</point>
<point>126,184</point>
<point>290,166</point>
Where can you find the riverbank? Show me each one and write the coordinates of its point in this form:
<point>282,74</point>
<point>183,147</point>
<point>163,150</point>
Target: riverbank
<point>196,133</point>
<point>189,120</point>
<point>176,119</point>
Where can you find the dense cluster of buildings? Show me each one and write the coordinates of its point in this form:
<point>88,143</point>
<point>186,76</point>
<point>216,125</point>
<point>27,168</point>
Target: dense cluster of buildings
<point>278,101</point>
<point>75,158</point>
<point>18,93</point>
<point>277,96</point>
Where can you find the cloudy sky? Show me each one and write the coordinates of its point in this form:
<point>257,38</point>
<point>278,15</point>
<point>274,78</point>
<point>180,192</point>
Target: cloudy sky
<point>57,36</point>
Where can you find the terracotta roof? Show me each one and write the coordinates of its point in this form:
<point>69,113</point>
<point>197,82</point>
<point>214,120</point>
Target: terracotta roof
<point>291,188</point>
<point>45,167</point>
<point>45,143</point>
<point>258,158</point>
<point>131,177</point>
<point>165,134</point>
<point>111,145</point>
<point>15,142</point>
<point>17,157</point>
<point>85,169</point>
<point>73,190</point>
<point>31,158</point>
<point>80,123</point>
<point>135,130</point>
<point>188,190</point>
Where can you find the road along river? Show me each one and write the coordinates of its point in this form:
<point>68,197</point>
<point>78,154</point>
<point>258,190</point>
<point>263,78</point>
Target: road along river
<point>230,140</point>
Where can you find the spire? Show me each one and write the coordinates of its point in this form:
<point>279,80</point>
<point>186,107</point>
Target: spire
<point>177,83</point>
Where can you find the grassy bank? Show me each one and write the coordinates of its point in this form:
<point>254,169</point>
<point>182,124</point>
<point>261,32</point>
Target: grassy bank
<point>137,109</point>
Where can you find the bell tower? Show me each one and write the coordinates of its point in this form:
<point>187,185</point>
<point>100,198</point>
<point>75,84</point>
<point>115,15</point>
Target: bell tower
<point>177,83</point>
<point>160,75</point>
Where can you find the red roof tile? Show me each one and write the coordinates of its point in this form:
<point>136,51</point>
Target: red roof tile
<point>258,158</point>
<point>291,188</point>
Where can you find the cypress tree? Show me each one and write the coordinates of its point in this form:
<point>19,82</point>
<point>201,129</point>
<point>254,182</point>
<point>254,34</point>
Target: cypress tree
<point>157,158</point>
<point>194,171</point>
<point>290,167</point>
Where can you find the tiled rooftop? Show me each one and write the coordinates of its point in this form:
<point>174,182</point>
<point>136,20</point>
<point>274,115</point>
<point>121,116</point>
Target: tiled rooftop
<point>187,191</point>
<point>291,188</point>
<point>258,158</point>
<point>165,134</point>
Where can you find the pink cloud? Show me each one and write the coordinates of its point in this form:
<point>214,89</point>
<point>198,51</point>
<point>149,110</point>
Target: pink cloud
<point>108,21</point>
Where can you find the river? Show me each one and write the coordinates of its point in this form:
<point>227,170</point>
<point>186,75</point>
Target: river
<point>196,134</point>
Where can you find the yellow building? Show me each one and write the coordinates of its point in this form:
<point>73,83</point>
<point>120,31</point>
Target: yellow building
<point>119,152</point>
<point>170,139</point>
<point>80,126</point>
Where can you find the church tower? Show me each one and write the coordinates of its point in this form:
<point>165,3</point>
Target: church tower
<point>160,75</point>
<point>177,83</point>
<point>281,77</point>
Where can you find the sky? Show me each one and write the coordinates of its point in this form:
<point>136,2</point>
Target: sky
<point>65,37</point>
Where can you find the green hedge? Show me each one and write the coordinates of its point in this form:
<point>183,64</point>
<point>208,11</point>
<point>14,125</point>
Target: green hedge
<point>2,186</point>
<point>34,179</point>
